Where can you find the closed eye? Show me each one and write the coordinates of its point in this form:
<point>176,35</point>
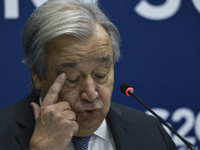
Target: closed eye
<point>73,81</point>
<point>100,76</point>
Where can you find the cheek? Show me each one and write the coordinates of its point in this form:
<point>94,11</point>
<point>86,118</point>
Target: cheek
<point>105,90</point>
<point>105,93</point>
<point>71,96</point>
<point>105,96</point>
<point>108,85</point>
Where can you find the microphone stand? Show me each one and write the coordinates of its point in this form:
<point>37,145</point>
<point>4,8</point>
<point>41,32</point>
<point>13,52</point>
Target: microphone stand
<point>130,92</point>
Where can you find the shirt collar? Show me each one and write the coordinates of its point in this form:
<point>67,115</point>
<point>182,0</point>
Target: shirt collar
<point>103,131</point>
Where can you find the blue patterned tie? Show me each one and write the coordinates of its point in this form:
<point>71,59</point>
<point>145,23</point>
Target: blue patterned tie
<point>81,143</point>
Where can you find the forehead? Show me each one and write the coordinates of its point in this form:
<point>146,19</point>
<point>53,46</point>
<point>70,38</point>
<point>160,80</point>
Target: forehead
<point>66,48</point>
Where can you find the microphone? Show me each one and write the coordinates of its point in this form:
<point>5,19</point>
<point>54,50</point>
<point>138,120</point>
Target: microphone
<point>129,91</point>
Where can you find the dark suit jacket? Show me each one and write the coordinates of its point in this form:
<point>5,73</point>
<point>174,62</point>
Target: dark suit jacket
<point>131,129</point>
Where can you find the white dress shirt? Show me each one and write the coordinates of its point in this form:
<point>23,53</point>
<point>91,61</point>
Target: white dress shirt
<point>101,139</point>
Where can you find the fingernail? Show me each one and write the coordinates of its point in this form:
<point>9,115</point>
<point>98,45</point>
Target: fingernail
<point>63,75</point>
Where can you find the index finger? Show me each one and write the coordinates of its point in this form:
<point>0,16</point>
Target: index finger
<point>52,95</point>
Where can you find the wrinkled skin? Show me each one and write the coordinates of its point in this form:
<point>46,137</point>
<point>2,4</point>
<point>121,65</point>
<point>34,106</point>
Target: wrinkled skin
<point>76,91</point>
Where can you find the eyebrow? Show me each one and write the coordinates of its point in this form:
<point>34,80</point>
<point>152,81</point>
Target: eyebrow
<point>103,59</point>
<point>67,65</point>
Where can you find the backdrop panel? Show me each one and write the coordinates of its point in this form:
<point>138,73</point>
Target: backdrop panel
<point>160,57</point>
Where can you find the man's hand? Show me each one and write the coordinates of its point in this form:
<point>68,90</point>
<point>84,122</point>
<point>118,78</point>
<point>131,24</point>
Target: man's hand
<point>55,122</point>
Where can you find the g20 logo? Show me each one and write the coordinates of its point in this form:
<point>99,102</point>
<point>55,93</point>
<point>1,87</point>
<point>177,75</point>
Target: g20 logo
<point>163,11</point>
<point>191,124</point>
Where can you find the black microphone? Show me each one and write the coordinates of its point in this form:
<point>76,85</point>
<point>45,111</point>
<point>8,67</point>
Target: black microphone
<point>128,90</point>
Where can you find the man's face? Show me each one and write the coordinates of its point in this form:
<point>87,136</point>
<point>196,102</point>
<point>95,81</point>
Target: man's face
<point>90,76</point>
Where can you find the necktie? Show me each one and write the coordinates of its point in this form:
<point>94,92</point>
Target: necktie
<point>81,143</point>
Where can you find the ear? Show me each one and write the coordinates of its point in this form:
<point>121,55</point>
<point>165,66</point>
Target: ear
<point>36,80</point>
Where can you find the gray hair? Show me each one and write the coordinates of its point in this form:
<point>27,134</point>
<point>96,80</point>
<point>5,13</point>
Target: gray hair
<point>57,17</point>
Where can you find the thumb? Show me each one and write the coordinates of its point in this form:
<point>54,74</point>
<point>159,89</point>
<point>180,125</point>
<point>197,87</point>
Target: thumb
<point>36,109</point>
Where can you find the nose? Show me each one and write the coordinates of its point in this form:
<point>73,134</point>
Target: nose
<point>89,92</point>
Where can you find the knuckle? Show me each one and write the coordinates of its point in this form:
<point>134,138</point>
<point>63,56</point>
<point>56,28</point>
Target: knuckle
<point>68,123</point>
<point>74,116</point>
<point>72,125</point>
<point>59,116</point>
<point>50,110</point>
<point>53,91</point>
<point>66,104</point>
<point>76,128</point>
<point>55,113</point>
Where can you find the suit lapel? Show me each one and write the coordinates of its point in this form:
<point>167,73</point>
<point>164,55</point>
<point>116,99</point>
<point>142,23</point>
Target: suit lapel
<point>121,129</point>
<point>26,121</point>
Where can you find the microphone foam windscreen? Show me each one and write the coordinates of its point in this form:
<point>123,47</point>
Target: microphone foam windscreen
<point>124,86</point>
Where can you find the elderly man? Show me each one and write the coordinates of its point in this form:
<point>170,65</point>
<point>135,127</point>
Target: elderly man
<point>71,48</point>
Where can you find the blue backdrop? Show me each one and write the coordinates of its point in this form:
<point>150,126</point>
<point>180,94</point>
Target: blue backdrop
<point>160,57</point>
